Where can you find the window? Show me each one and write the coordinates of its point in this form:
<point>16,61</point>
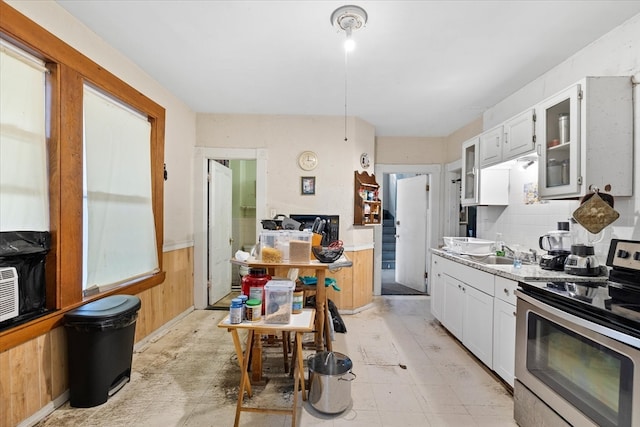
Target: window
<point>59,167</point>
<point>118,228</point>
<point>24,194</point>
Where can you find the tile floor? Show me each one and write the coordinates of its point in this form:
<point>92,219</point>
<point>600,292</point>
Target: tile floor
<point>410,372</point>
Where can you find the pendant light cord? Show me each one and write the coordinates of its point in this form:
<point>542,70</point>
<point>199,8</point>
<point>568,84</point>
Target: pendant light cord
<point>346,66</point>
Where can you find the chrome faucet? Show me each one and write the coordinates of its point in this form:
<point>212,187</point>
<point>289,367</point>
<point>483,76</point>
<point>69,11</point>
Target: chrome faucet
<point>531,256</point>
<point>508,251</point>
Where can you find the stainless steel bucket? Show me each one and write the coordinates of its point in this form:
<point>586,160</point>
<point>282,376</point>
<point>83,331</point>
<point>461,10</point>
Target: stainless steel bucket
<point>330,379</point>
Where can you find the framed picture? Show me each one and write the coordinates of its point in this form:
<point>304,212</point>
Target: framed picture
<point>307,185</point>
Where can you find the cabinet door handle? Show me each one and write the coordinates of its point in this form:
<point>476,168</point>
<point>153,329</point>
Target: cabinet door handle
<point>514,313</point>
<point>497,141</point>
<point>506,137</point>
<point>506,291</point>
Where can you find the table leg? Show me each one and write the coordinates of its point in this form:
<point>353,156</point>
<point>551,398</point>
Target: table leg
<point>256,360</point>
<point>243,377</point>
<point>238,346</point>
<point>300,364</point>
<point>321,300</point>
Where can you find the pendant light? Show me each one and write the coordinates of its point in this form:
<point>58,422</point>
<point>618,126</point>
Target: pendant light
<point>348,19</point>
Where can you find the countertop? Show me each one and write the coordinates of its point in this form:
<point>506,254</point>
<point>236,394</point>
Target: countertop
<point>526,273</point>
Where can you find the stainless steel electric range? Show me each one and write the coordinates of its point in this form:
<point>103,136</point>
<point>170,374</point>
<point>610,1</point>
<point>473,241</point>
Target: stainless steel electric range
<point>578,348</point>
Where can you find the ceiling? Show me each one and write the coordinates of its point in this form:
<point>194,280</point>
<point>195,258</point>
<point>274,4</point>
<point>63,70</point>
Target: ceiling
<point>420,68</point>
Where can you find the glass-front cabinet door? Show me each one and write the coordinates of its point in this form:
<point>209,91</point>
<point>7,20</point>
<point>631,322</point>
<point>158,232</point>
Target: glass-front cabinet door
<point>559,144</point>
<point>470,171</point>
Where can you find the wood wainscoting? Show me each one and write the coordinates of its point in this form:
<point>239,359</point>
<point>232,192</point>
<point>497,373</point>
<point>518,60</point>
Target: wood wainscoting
<point>355,283</point>
<point>33,374</point>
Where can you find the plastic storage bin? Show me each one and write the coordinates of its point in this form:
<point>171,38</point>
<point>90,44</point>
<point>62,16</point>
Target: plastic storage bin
<point>279,301</point>
<point>300,246</point>
<point>100,339</point>
<point>274,246</point>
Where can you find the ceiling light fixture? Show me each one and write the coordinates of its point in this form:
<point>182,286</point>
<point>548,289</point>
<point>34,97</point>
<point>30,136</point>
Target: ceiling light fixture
<point>348,19</point>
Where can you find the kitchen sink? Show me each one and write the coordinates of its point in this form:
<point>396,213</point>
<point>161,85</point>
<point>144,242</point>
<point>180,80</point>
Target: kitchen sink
<point>495,260</point>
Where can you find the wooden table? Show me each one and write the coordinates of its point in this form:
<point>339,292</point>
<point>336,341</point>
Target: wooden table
<point>322,337</point>
<point>300,323</point>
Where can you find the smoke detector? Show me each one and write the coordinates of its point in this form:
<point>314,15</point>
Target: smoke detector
<point>349,18</point>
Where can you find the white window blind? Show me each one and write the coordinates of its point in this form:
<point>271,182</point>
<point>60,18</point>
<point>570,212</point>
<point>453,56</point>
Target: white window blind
<point>24,197</point>
<point>119,231</point>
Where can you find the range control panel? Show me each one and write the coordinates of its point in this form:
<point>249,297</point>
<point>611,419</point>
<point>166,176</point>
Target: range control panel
<point>624,254</point>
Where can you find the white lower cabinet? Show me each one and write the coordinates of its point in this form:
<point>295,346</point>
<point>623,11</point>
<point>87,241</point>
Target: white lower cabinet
<point>477,328</point>
<point>504,340</point>
<point>437,288</point>
<point>453,308</point>
<point>479,309</point>
<point>467,313</point>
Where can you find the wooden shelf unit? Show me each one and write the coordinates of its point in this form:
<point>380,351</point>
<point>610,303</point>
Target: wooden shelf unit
<point>367,205</point>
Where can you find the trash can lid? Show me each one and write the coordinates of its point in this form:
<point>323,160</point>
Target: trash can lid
<point>104,309</point>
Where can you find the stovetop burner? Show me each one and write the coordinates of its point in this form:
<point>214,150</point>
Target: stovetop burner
<point>615,303</point>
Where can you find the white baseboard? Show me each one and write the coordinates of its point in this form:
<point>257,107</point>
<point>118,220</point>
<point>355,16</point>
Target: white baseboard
<point>45,410</point>
<point>160,332</point>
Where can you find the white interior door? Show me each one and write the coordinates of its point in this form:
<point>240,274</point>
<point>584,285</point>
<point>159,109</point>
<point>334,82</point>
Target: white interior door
<point>411,232</point>
<point>219,276</point>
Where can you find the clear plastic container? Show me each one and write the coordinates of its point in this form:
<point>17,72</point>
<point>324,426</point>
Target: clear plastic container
<point>274,246</point>
<point>279,301</point>
<point>300,246</point>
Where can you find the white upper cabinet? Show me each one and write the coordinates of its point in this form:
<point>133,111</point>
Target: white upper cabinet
<point>514,138</point>
<point>491,146</point>
<point>470,171</point>
<point>585,139</point>
<point>519,135</point>
<point>481,187</point>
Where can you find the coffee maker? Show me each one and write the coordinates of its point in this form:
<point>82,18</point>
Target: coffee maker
<point>557,243</point>
<point>582,261</point>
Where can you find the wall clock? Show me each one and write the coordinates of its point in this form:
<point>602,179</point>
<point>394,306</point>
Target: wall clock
<point>308,160</point>
<point>364,160</point>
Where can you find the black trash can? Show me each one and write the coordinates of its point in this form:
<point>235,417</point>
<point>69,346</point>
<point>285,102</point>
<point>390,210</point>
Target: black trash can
<point>100,337</point>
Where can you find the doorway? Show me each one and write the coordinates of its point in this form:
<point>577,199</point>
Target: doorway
<point>202,207</point>
<point>432,217</point>
<point>404,233</point>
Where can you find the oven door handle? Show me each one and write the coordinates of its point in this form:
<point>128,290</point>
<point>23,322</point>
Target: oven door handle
<point>572,319</point>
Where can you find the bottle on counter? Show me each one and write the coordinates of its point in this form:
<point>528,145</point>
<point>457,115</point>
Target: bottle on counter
<point>235,311</point>
<point>298,299</point>
<point>253,283</point>
<point>254,310</point>
<point>243,299</point>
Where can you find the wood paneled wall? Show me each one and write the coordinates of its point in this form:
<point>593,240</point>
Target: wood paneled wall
<point>35,373</point>
<point>355,283</point>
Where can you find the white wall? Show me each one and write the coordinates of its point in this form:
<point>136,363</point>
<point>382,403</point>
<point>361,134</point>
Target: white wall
<point>180,120</point>
<point>284,138</point>
<point>615,54</point>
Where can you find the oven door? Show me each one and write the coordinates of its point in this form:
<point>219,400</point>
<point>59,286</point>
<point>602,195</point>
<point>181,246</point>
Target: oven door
<point>579,368</point>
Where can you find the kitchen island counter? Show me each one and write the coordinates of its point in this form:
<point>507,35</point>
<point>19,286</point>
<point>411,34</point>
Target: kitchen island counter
<point>526,273</point>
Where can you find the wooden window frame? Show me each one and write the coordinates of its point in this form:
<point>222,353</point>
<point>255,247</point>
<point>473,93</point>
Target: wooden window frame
<point>68,71</point>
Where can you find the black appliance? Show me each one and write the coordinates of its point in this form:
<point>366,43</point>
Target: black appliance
<point>331,229</point>
<point>557,245</point>
<point>554,260</point>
